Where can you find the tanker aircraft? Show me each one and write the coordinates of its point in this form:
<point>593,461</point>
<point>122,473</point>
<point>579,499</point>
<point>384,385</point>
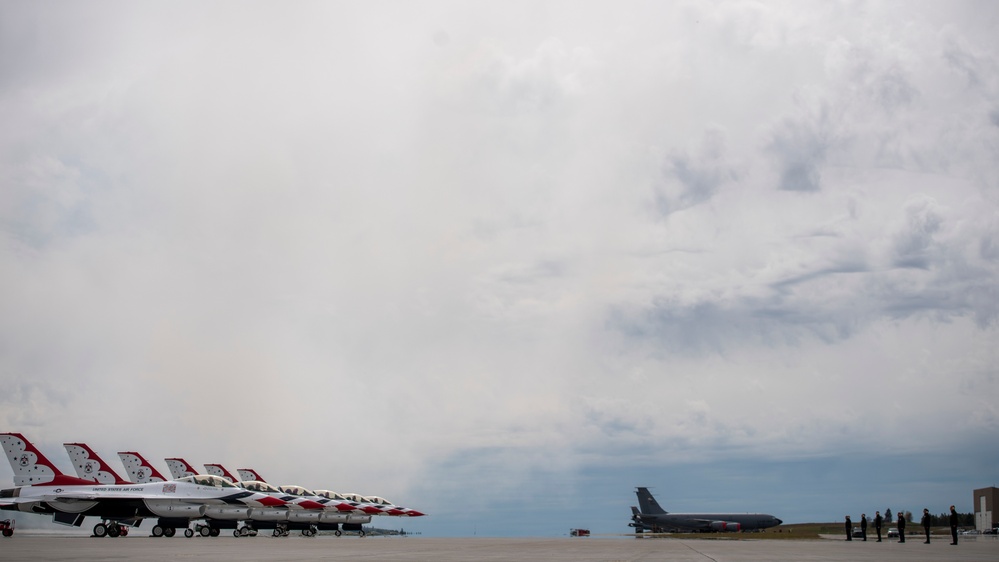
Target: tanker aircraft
<point>42,488</point>
<point>651,515</point>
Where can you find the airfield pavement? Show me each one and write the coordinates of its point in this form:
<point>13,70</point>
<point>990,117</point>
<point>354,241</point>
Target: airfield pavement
<point>24,546</point>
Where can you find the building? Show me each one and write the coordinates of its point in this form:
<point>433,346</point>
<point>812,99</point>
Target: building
<point>986,502</point>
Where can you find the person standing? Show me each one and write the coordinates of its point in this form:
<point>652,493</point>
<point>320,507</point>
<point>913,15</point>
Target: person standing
<point>849,528</point>
<point>953,525</point>
<point>863,526</point>
<point>926,524</point>
<point>901,527</point>
<point>877,523</point>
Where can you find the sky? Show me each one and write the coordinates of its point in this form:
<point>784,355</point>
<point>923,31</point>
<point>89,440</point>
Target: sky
<point>503,262</point>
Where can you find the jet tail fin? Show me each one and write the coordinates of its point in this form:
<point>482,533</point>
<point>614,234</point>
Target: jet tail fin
<point>30,466</point>
<point>219,470</point>
<point>648,503</point>
<point>179,468</point>
<point>248,474</point>
<point>139,469</point>
<point>90,466</point>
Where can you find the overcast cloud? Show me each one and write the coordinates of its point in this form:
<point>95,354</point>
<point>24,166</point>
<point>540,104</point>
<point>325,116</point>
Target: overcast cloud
<point>455,253</point>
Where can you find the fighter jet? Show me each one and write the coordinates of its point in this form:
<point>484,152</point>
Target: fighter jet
<point>90,466</point>
<point>42,488</point>
<point>139,469</point>
<point>305,511</point>
<point>387,507</point>
<point>331,500</point>
<point>350,513</point>
<point>179,468</point>
<point>219,470</point>
<point>651,515</point>
<point>249,474</point>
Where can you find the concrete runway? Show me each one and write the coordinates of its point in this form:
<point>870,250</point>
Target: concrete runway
<point>24,546</point>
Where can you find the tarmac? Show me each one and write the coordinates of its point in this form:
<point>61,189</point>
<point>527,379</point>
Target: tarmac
<point>25,546</point>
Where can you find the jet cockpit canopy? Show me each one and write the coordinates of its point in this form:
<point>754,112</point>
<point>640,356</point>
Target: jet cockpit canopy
<point>207,480</point>
<point>258,486</point>
<point>297,491</point>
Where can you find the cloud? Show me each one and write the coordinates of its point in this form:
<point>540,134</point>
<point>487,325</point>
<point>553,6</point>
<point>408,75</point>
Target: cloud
<point>699,175</point>
<point>439,251</point>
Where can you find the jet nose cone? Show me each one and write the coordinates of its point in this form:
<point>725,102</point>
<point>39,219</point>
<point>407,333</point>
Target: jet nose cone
<point>414,513</point>
<point>778,521</point>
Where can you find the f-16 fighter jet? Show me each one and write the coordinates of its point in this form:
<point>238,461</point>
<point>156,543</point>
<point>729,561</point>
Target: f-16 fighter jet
<point>90,466</point>
<point>42,488</point>
<point>139,469</point>
<point>179,468</point>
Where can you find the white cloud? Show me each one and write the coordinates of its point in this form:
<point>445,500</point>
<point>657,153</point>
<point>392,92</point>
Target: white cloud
<point>498,236</point>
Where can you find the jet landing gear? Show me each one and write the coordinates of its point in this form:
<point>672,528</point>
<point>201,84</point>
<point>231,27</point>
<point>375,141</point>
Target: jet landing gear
<point>244,531</point>
<point>310,531</point>
<point>110,529</point>
<point>203,530</point>
<point>160,531</point>
<point>280,531</point>
<point>7,527</point>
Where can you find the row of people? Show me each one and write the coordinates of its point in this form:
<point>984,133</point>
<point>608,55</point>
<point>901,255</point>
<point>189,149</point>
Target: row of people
<point>879,521</point>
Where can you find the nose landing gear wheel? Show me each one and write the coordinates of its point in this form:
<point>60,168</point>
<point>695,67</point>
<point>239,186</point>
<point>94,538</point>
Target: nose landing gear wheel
<point>100,530</point>
<point>188,533</point>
